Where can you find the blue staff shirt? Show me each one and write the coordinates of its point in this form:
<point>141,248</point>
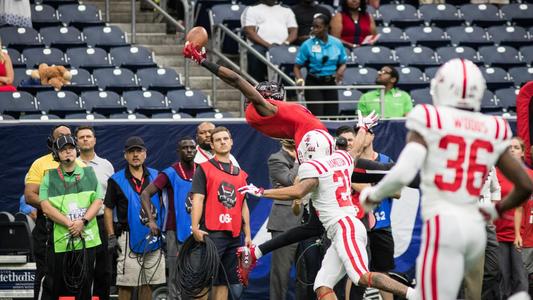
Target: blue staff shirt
<point>312,55</point>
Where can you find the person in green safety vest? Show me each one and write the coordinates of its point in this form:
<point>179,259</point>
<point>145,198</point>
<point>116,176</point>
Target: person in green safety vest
<point>71,196</point>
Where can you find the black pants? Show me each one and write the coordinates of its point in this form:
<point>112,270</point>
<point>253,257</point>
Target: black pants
<point>102,271</point>
<point>256,68</point>
<point>322,95</point>
<point>57,271</point>
<point>41,235</point>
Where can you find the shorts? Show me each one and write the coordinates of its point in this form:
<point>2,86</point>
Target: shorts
<point>138,269</point>
<point>527,258</point>
<point>381,250</point>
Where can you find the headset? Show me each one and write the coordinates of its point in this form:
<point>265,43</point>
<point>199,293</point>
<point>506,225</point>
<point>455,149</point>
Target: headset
<point>55,146</point>
<point>50,139</point>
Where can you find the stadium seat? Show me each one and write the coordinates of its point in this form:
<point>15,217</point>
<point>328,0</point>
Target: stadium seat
<point>132,57</point>
<point>128,116</point>
<point>188,101</point>
<point>15,103</point>
<point>420,56</point>
<point>84,116</point>
<point>514,36</point>
<point>88,58</point>
<point>159,79</point>
<point>348,108</point>
<point>229,15</point>
<point>519,13</point>
<point>353,75</point>
<point>507,98</point>
<point>421,96</point>
<point>56,3</point>
<point>20,217</point>
<point>527,54</point>
<point>373,56</point>
<point>19,236</point>
<point>43,15</point>
<point>430,72</point>
<point>20,75</point>
<point>447,53</point>
<point>104,37</point>
<point>440,15</point>
<point>482,14</point>
<point>215,115</point>
<point>117,80</point>
<point>61,37</point>
<point>33,57</point>
<point>489,104</point>
<point>58,103</point>
<point>500,56</point>
<point>16,58</point>
<point>6,217</point>
<point>521,75</point>
<point>496,78</point>
<point>79,15</point>
<point>81,81</point>
<point>145,102</point>
<point>38,117</point>
<point>283,56</point>
<point>19,38</point>
<point>102,102</point>
<point>6,117</point>
<point>175,116</point>
<point>470,36</point>
<point>400,15</point>
<point>378,18</point>
<point>427,36</point>
<point>391,37</point>
<point>411,78</point>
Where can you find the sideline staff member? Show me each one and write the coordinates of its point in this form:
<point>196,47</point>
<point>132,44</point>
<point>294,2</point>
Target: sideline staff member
<point>226,213</point>
<point>71,197</point>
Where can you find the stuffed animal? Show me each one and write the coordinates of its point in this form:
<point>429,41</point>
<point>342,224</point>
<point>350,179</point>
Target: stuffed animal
<point>56,76</point>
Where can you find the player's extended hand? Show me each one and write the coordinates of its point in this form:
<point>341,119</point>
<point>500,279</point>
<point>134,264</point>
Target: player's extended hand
<point>365,200</point>
<point>367,122</point>
<point>190,51</point>
<point>490,211</point>
<point>252,190</point>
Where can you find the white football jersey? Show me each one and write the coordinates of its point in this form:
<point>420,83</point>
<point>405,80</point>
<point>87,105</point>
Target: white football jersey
<point>462,147</point>
<point>332,198</point>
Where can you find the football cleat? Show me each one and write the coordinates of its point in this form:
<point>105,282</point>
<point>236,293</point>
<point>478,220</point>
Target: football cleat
<point>246,262</point>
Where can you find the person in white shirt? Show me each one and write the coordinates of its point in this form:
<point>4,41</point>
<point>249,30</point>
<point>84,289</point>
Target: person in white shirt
<point>203,141</point>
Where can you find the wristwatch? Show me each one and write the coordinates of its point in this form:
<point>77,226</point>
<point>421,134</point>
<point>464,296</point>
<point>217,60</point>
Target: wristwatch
<point>85,221</point>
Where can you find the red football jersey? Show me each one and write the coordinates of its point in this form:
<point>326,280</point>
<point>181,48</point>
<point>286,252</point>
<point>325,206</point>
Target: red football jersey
<point>527,224</point>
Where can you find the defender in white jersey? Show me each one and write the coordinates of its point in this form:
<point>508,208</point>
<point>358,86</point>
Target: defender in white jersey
<point>327,175</point>
<point>454,147</point>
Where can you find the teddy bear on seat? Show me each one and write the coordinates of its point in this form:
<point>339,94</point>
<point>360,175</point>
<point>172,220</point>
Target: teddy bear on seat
<point>56,76</point>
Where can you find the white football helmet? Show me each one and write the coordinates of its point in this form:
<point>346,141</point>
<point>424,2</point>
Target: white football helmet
<point>458,83</point>
<point>315,144</point>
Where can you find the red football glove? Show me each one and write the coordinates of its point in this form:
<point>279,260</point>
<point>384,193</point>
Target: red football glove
<point>190,51</point>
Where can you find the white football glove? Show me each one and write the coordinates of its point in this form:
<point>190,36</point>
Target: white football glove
<point>367,122</point>
<point>365,201</point>
<point>252,190</point>
<point>490,211</point>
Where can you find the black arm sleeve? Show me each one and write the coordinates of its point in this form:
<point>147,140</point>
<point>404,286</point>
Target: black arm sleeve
<point>199,182</point>
<point>369,171</point>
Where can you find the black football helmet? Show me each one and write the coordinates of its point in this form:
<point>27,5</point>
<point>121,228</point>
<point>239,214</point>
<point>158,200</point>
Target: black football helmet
<point>271,90</point>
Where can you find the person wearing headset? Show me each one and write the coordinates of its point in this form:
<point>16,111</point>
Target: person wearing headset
<point>71,196</point>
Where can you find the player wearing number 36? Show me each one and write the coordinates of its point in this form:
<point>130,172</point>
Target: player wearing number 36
<point>454,147</point>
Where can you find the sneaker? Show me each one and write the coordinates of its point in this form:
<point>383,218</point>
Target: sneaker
<point>247,260</point>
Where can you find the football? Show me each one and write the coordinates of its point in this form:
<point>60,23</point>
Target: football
<point>197,36</point>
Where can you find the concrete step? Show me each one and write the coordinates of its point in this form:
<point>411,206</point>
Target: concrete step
<point>143,27</point>
<point>194,70</point>
<point>175,50</point>
<point>175,59</point>
<point>204,82</point>
<point>125,17</point>
<point>232,106</point>
<point>154,38</point>
<point>115,6</point>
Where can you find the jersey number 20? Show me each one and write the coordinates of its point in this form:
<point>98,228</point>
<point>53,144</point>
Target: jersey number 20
<point>458,164</point>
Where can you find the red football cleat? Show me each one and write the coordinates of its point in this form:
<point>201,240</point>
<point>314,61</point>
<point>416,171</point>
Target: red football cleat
<point>246,262</point>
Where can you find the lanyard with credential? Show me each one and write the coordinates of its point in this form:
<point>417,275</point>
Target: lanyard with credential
<point>138,187</point>
<point>182,172</point>
<point>222,168</point>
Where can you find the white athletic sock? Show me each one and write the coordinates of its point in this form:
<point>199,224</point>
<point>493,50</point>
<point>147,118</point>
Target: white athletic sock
<point>410,293</point>
<point>258,253</point>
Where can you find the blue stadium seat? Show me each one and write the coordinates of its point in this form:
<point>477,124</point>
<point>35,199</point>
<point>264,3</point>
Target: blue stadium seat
<point>507,98</point>
<point>447,53</point>
<point>61,37</point>
<point>215,115</point>
<point>84,116</point>
<point>19,38</point>
<point>354,75</point>
<point>51,56</point>
<point>175,116</point>
<point>496,78</point>
<point>514,36</point>
<point>470,36</point>
<point>378,18</point>
<point>105,103</point>
<point>145,102</point>
<point>188,101</point>
<point>373,56</point>
<point>420,56</point>
<point>411,78</point>
<point>421,96</point>
<point>57,3</point>
<point>20,75</point>
<point>527,54</point>
<point>88,58</point>
<point>104,37</point>
<point>430,72</point>
<point>348,108</point>
<point>43,15</point>
<point>127,116</point>
<point>159,79</point>
<point>283,56</point>
<point>400,15</point>
<point>521,75</point>
<point>229,15</point>
<point>440,15</point>
<point>500,56</point>
<point>489,104</point>
<point>16,58</point>
<point>482,14</point>
<point>132,57</point>
<point>59,103</point>
<point>519,13</point>
<point>81,81</point>
<point>15,103</point>
<point>391,37</point>
<point>79,15</point>
<point>39,116</point>
<point>117,80</point>
<point>427,36</point>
